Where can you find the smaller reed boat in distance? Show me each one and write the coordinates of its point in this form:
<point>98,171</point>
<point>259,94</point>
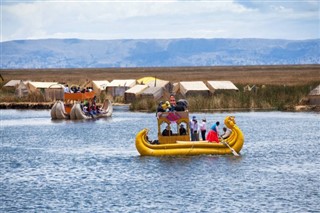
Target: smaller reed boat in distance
<point>79,106</point>
<point>175,143</point>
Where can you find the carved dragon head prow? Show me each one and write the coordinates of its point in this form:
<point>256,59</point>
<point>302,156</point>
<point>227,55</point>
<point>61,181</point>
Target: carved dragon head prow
<point>230,122</point>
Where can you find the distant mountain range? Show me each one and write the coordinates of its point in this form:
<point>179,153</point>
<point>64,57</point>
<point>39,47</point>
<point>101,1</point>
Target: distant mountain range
<point>77,53</point>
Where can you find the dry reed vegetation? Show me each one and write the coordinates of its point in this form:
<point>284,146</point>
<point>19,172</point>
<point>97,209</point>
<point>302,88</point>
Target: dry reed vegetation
<point>276,97</point>
<point>273,75</point>
<point>285,85</point>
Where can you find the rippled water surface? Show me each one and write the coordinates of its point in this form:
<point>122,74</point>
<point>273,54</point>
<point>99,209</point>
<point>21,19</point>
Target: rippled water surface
<point>93,166</point>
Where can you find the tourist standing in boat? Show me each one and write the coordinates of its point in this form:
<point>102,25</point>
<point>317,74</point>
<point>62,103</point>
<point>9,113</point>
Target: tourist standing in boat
<point>195,131</point>
<point>192,126</point>
<point>203,129</point>
<point>213,135</point>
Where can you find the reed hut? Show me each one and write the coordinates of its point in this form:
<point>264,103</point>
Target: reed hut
<point>118,87</point>
<point>220,86</point>
<point>155,82</point>
<point>193,88</point>
<point>51,90</point>
<point>99,86</point>
<point>14,83</point>
<point>21,90</point>
<point>154,93</point>
<point>314,96</point>
<point>134,92</point>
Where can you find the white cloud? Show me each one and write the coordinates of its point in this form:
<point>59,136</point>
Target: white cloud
<point>158,19</point>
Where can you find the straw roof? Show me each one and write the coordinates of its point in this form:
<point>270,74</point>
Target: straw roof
<point>137,89</point>
<point>101,84</point>
<point>122,83</point>
<point>315,91</point>
<point>193,85</point>
<point>13,83</point>
<point>45,85</point>
<point>222,85</point>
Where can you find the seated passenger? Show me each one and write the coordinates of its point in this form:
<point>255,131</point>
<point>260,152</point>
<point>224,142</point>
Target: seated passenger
<point>182,130</point>
<point>166,106</point>
<point>226,133</point>
<point>159,108</point>
<point>173,103</point>
<point>167,131</point>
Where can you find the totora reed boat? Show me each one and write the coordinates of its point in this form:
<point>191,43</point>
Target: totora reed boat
<point>75,104</point>
<point>176,144</point>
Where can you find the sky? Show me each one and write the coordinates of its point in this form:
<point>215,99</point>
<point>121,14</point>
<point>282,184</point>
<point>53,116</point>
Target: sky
<point>166,19</point>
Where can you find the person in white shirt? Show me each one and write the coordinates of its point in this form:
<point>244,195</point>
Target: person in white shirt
<point>203,129</point>
<point>195,130</point>
<point>66,89</point>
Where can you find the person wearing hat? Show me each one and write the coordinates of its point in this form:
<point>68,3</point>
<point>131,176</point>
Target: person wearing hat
<point>182,130</point>
<point>192,127</point>
<point>196,130</point>
<point>167,131</point>
<point>213,133</point>
<point>203,129</point>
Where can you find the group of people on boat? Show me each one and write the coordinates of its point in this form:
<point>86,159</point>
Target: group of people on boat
<point>89,107</point>
<point>213,134</point>
<point>172,105</point>
<point>197,130</point>
<point>75,89</point>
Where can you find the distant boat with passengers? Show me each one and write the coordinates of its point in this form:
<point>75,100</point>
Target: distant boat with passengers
<point>79,106</point>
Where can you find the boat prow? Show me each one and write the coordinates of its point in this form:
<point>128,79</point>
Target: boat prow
<point>58,111</point>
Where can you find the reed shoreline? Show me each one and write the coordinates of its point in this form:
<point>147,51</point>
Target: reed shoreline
<point>286,85</point>
<point>48,105</point>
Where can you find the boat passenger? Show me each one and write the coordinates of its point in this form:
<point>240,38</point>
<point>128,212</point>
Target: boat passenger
<point>182,105</point>
<point>166,106</point>
<point>192,126</point>
<point>159,108</point>
<point>167,131</point>
<point>182,130</point>
<point>195,131</point>
<point>213,133</point>
<point>173,103</point>
<point>226,133</point>
<point>66,89</point>
<point>203,129</point>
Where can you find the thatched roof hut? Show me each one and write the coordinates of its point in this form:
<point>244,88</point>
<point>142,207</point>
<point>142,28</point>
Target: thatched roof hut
<point>193,88</point>
<point>314,96</point>
<point>134,92</point>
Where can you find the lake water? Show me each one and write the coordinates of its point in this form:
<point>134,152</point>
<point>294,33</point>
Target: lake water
<point>93,166</point>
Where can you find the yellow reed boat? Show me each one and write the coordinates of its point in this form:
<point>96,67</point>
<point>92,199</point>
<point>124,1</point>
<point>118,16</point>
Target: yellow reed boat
<point>176,144</point>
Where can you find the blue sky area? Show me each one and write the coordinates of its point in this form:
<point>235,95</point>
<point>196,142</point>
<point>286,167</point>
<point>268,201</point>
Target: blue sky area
<point>146,19</point>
